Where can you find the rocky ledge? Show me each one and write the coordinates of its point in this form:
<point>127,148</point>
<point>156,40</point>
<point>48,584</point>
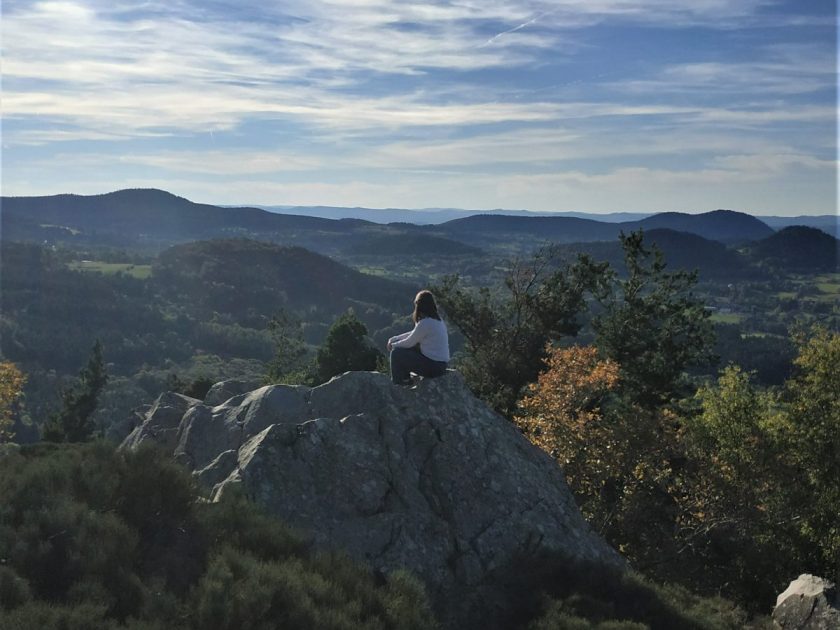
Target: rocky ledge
<point>425,477</point>
<point>809,603</point>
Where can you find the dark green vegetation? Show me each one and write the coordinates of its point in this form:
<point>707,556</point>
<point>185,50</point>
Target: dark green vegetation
<point>347,347</point>
<point>799,248</point>
<point>74,421</point>
<point>204,312</point>
<point>505,332</point>
<point>91,538</point>
<point>651,324</point>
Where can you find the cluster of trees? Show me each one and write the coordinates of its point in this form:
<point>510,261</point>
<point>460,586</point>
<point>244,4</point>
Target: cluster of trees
<point>726,487</point>
<point>347,347</point>
<point>647,319</point>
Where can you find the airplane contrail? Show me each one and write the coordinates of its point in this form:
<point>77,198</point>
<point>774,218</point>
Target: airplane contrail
<point>513,30</point>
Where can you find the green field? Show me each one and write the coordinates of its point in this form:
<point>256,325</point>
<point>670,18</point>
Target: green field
<point>726,318</point>
<point>830,288</point>
<point>137,271</point>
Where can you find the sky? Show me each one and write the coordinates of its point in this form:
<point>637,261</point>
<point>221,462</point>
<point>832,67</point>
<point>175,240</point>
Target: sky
<point>568,105</point>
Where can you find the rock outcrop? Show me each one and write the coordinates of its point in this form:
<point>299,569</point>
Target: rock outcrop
<point>809,603</point>
<point>425,477</point>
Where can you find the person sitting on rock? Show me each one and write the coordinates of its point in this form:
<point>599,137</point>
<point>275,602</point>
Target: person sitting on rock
<point>424,350</point>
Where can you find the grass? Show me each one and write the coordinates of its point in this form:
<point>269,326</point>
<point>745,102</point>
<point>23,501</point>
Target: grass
<point>726,318</point>
<point>140,272</point>
<point>832,288</point>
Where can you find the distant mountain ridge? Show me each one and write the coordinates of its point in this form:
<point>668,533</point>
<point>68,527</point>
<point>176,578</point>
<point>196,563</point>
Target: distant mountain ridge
<point>828,223</point>
<point>435,216</point>
<point>726,226</point>
<point>158,219</point>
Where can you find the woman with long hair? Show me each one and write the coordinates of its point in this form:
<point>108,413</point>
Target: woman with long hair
<point>424,350</point>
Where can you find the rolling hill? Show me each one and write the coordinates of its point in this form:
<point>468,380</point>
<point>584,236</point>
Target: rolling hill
<point>216,276</point>
<point>154,219</point>
<point>712,259</point>
<point>799,248</point>
<point>725,226</point>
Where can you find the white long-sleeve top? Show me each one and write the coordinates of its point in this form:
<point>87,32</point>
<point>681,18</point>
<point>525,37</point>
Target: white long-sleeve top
<point>431,334</point>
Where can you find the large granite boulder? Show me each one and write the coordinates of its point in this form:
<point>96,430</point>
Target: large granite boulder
<point>161,423</point>
<point>809,603</point>
<point>220,392</point>
<point>425,477</point>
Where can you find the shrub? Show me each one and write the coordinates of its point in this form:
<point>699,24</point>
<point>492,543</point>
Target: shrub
<point>554,591</point>
<point>95,538</point>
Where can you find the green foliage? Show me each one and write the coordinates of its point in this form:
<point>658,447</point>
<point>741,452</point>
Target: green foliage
<point>346,347</point>
<point>736,509</point>
<point>701,493</point>
<point>74,422</point>
<point>288,364</point>
<point>506,334</point>
<point>652,325</point>
<point>94,538</point>
<point>813,398</point>
<point>14,590</point>
<point>554,591</point>
<point>241,591</point>
<point>753,527</point>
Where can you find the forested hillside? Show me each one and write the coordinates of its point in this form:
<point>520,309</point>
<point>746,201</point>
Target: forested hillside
<point>153,219</point>
<point>201,309</point>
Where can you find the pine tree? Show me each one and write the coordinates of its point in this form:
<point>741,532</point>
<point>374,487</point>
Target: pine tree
<point>652,325</point>
<point>289,362</point>
<point>346,348</point>
<point>74,422</point>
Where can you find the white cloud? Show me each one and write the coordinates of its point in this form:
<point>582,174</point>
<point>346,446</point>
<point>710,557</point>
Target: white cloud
<point>229,162</point>
<point>109,68</point>
<point>387,84</point>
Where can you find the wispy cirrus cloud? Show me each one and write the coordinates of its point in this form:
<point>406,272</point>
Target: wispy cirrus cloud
<point>332,91</point>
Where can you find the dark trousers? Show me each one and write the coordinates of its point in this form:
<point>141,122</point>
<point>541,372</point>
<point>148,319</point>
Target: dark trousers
<point>407,360</point>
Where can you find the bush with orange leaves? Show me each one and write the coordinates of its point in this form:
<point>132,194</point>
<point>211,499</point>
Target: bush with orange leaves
<point>11,389</point>
<point>562,414</point>
<point>616,456</point>
<point>565,399</point>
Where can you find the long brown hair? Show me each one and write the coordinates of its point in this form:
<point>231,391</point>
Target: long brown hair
<point>424,306</point>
